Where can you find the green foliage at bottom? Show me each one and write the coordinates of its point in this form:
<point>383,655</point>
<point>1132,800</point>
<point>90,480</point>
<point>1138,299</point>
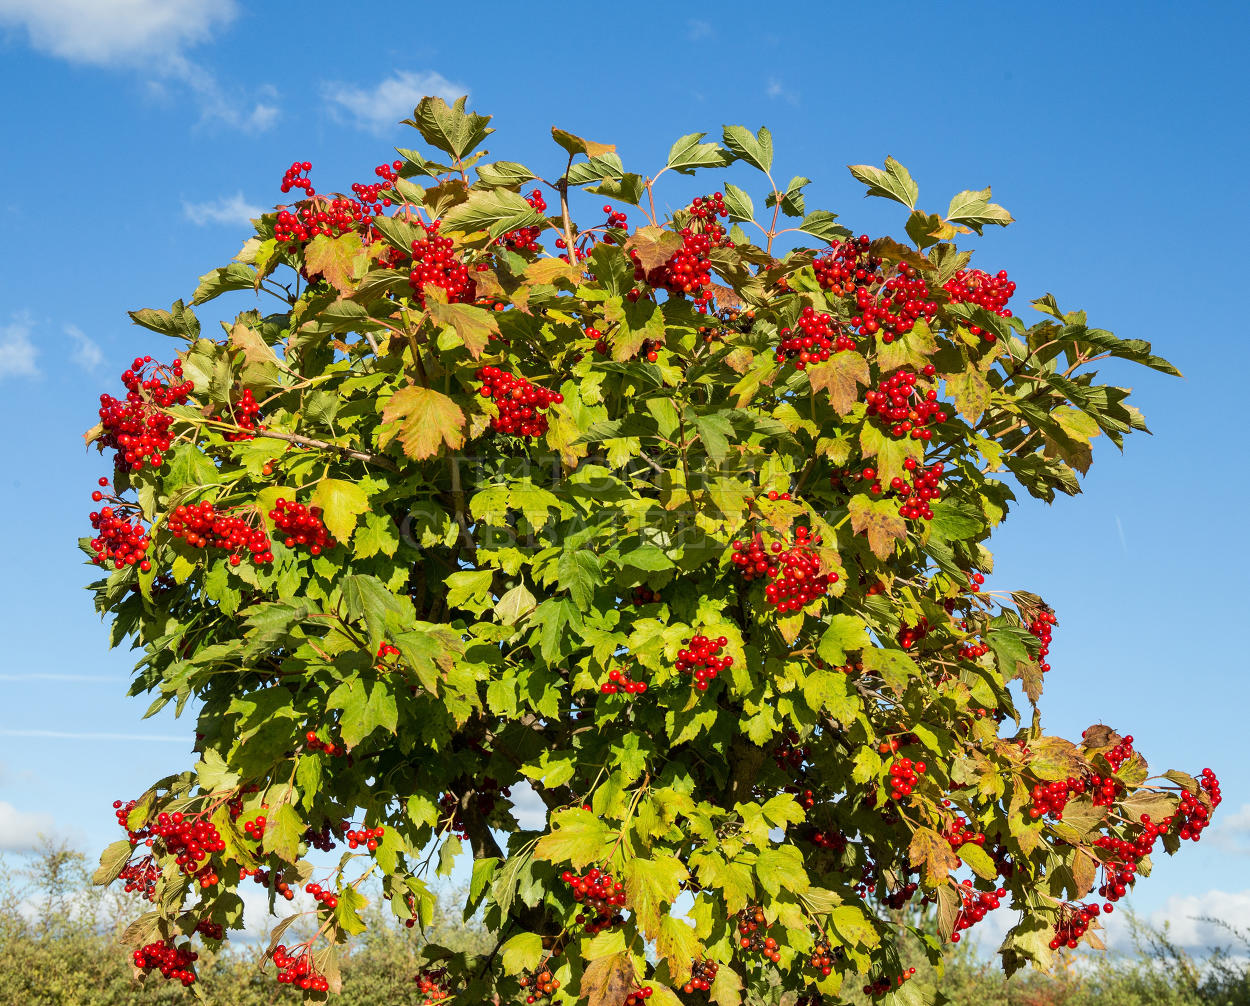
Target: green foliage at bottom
<point>58,947</point>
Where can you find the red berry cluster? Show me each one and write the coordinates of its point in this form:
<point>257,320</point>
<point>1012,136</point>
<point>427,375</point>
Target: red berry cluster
<point>882,985</point>
<point>139,876</point>
<point>904,775</point>
<point>909,635</point>
<point>1050,798</point>
<point>368,837</point>
<point>245,412</point>
<point>435,264</point>
<point>891,307</point>
<point>702,974</point>
<point>1042,626</point>
<point>795,571</point>
<point>265,878</point>
<point>385,652</point>
<point>296,177</point>
<point>256,828</point>
<point>121,539</point>
<point>701,658</point>
<point>297,969</point>
<point>301,525</point>
<point>1192,817</point>
<point>432,985</point>
<point>315,743</point>
<point>620,681</point>
<point>751,926</point>
<point>644,595</point>
<point>688,271</point>
<point>639,996</point>
<point>899,897</point>
<point>819,336</point>
<point>520,403</point>
<point>822,957</point>
<point>974,906</point>
<point>601,896</point>
<point>322,896</point>
<point>525,239</point>
<point>201,525</point>
<point>960,834</point>
<point>191,840</point>
<point>135,426</point>
<point>1073,921</point>
<point>174,963</point>
<point>972,286</point>
<point>897,402</point>
<point>538,983</point>
<point>210,930</point>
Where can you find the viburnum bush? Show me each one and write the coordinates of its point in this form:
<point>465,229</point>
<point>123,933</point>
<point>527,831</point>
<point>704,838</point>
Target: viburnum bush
<point>681,522</point>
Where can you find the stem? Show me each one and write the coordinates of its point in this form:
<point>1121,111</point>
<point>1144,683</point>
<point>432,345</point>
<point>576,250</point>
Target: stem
<point>563,186</point>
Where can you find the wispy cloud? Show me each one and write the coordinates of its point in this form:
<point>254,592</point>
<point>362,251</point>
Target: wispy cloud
<point>19,830</point>
<point>226,210</point>
<point>380,107</point>
<point>697,30</point>
<point>17,352</point>
<point>147,36</point>
<point>70,735</point>
<point>87,353</point>
<point>778,91</point>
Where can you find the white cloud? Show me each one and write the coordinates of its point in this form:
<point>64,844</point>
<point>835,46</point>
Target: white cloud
<point>148,36</point>
<point>697,30</point>
<point>1185,915</point>
<point>776,89</point>
<point>379,108</point>
<point>1231,832</point>
<point>17,352</point>
<point>115,32</point>
<point>86,352</point>
<point>20,830</point>
<point>226,210</point>
<point>528,807</point>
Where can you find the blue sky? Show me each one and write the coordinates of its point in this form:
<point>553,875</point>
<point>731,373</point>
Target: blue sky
<point>140,134</point>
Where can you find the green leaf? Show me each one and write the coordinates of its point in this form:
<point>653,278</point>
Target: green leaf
<point>366,707</point>
<point>496,211</point>
<point>522,953</point>
<point>367,598</point>
<point>651,886</point>
<point>845,632</point>
<point>756,150</point>
<point>738,203</point>
<point>578,837</point>
<point>515,605</point>
<point>341,504</point>
<point>235,276</point>
<point>689,153</point>
<point>854,927</point>
<point>970,392</point>
<point>791,199</point>
<point>112,861</point>
<point>473,326</point>
<point>892,183</point>
<point>978,859</point>
<point>779,868</point>
<point>429,420</point>
<point>973,209</point>
<point>179,321</point>
<point>283,831</point>
<point>449,128</point>
<point>820,224</point>
<point>577,145</point>
<point>889,451</point>
<point>894,666</point>
<point>504,173</point>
